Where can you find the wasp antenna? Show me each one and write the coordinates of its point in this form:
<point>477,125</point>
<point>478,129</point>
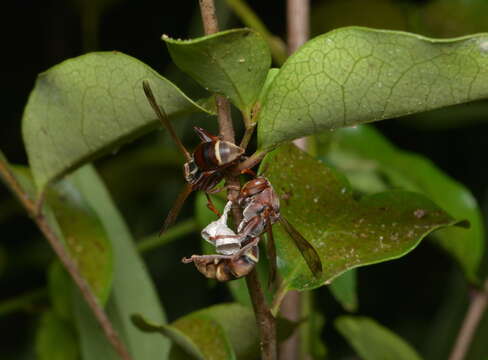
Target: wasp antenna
<point>164,118</point>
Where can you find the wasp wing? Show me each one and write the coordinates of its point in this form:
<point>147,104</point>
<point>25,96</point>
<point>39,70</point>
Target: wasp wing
<point>306,249</point>
<point>175,210</point>
<point>271,252</point>
<point>164,118</point>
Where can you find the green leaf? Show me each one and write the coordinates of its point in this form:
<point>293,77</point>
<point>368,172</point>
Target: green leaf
<point>465,17</point>
<point>373,341</point>
<point>346,233</point>
<point>59,285</point>
<point>84,236</point>
<point>88,106</point>
<point>363,148</point>
<point>356,75</point>
<point>379,14</point>
<point>78,227</point>
<point>224,331</point>
<point>56,339</point>
<point>132,292</point>
<point>233,63</point>
<point>344,290</point>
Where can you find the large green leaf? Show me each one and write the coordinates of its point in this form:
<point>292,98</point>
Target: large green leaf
<point>56,338</point>
<point>363,149</point>
<point>225,331</point>
<point>132,292</point>
<point>89,105</point>
<point>346,233</point>
<point>373,341</point>
<point>355,75</point>
<point>233,63</point>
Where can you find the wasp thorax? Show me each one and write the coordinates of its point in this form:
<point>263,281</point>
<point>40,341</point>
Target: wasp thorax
<point>252,188</point>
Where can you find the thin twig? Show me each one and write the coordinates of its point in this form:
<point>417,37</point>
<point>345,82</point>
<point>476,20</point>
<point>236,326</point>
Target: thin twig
<point>477,307</point>
<point>298,24</point>
<point>265,321</point>
<point>22,302</point>
<point>247,136</point>
<point>250,162</point>
<point>69,264</point>
<point>154,241</point>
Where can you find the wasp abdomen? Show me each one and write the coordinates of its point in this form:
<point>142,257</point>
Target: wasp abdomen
<point>211,155</point>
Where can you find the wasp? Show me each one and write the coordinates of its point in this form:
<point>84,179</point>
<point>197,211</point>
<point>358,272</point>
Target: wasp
<point>227,267</point>
<point>260,210</point>
<point>203,169</point>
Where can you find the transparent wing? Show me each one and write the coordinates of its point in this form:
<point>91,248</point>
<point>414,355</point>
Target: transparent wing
<point>306,249</point>
<point>164,118</point>
<point>175,210</point>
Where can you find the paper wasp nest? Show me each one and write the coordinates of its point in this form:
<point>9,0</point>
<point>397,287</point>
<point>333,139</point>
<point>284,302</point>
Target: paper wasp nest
<point>221,236</point>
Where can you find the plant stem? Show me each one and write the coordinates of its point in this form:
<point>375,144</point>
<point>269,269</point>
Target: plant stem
<point>21,302</point>
<point>181,229</point>
<point>58,247</point>
<point>247,136</point>
<point>298,25</point>
<point>250,162</point>
<point>477,307</point>
<point>145,245</point>
<point>265,321</point>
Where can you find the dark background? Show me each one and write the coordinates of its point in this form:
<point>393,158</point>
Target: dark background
<point>422,296</point>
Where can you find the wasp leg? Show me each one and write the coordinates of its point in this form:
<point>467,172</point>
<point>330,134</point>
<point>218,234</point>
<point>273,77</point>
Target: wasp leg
<point>211,205</point>
<point>248,172</point>
<point>207,258</point>
<point>244,249</point>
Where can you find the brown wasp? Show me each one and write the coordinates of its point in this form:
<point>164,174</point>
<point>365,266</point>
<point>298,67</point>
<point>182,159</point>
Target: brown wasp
<point>260,210</point>
<point>227,267</point>
<point>204,168</point>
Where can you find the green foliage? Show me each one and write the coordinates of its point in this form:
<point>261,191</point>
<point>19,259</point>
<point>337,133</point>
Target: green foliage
<point>225,331</point>
<point>133,291</point>
<point>214,62</point>
<point>88,106</point>
<point>93,104</point>
<point>85,237</point>
<point>345,232</point>
<point>344,290</point>
<point>56,338</point>
<point>373,341</point>
<point>362,150</point>
<point>75,223</point>
<point>356,75</point>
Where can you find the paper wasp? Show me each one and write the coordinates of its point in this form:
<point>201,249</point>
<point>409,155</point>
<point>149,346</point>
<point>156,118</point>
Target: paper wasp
<point>260,210</point>
<point>204,168</point>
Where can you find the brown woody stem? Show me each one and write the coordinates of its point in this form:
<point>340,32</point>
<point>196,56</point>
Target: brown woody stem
<point>34,211</point>
<point>265,321</point>
<point>477,308</point>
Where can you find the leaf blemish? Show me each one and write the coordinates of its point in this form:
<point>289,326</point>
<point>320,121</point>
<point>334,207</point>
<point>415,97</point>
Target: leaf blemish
<point>419,213</point>
<point>484,45</point>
